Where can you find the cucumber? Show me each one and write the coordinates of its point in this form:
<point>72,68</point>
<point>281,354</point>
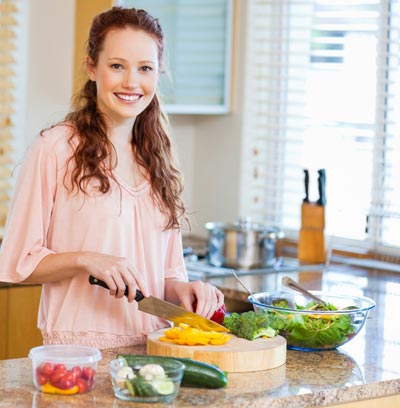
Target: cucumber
<point>202,375</point>
<point>196,374</point>
<point>164,387</point>
<point>137,386</point>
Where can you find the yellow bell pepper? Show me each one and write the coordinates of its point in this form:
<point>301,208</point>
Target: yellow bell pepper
<point>190,336</point>
<point>50,389</point>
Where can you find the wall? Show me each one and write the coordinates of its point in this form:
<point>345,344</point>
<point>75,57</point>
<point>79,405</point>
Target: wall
<point>208,147</point>
<point>49,63</point>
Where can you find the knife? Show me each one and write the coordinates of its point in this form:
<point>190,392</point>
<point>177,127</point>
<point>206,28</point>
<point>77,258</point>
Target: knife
<point>167,310</point>
<point>321,187</point>
<point>306,183</point>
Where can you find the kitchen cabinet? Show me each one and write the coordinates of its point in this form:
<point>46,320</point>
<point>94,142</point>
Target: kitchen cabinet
<point>18,320</point>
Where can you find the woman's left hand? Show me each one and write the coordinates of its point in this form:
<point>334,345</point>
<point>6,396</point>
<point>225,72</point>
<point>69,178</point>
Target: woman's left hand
<point>207,296</point>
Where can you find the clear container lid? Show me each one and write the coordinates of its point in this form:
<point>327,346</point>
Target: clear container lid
<point>61,353</point>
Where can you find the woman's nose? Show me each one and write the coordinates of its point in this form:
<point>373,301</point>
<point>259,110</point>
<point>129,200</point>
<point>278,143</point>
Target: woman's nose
<point>130,79</point>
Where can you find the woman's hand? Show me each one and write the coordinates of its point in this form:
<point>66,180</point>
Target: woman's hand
<point>207,296</point>
<point>116,272</point>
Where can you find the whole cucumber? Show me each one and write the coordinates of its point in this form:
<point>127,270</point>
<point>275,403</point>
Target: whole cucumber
<point>196,373</point>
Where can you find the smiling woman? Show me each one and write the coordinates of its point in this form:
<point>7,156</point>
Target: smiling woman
<point>99,194</point>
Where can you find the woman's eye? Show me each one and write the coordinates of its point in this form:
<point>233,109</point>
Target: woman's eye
<point>146,68</point>
<point>116,66</point>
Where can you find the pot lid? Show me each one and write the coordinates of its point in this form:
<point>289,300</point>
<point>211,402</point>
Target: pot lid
<point>245,225</point>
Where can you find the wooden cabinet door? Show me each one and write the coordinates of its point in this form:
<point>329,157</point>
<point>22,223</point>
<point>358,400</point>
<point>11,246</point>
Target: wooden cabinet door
<point>22,331</point>
<point>3,322</point>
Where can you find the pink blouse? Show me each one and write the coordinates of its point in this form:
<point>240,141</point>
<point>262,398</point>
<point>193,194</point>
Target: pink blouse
<point>44,219</point>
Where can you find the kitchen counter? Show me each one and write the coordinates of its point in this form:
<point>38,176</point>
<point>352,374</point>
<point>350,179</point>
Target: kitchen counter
<point>363,369</point>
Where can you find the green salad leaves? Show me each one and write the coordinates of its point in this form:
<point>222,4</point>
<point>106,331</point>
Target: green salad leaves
<point>312,330</point>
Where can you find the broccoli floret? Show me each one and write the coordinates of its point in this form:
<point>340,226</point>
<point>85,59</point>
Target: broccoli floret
<point>251,325</point>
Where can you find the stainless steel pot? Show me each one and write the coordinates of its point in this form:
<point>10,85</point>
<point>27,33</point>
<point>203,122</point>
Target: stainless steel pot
<point>242,244</point>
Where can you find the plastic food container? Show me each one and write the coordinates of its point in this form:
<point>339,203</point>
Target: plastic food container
<point>64,369</point>
<point>151,379</point>
<point>310,329</point>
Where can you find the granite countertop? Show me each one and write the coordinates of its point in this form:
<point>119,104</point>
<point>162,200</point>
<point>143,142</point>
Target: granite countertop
<point>362,369</point>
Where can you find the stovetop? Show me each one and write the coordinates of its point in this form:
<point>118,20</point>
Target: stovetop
<point>201,269</point>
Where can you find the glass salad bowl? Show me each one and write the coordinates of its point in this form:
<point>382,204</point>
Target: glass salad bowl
<point>309,326</point>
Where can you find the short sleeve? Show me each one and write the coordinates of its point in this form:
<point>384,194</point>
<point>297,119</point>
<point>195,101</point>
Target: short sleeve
<point>25,240</point>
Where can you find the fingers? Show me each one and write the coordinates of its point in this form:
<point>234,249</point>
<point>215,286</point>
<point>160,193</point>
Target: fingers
<point>118,274</point>
<point>208,297</point>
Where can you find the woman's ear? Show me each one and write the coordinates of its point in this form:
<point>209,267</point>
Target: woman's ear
<point>90,68</point>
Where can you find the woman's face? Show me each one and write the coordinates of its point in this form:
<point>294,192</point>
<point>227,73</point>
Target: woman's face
<point>126,74</point>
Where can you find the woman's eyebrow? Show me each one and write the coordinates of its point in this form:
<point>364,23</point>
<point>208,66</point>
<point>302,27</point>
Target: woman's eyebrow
<point>124,60</point>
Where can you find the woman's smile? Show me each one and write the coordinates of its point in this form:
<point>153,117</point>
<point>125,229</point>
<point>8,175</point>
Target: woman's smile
<point>127,97</point>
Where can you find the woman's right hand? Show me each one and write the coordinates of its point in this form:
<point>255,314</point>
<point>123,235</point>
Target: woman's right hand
<point>116,272</point>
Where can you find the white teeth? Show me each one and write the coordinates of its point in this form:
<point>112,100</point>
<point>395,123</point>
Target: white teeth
<point>129,98</point>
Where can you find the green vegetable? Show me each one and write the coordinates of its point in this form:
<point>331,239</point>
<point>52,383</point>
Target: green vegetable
<point>140,387</point>
<point>164,387</point>
<point>202,375</point>
<point>316,331</point>
<point>325,331</point>
<point>251,325</point>
<point>284,303</point>
<point>196,373</point>
<point>130,387</point>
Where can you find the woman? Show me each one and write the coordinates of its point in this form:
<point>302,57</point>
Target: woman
<point>99,194</point>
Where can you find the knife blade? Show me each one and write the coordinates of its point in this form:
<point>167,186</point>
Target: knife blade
<point>167,310</point>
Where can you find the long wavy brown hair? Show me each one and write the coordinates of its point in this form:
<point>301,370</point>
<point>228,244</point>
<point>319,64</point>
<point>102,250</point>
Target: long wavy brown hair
<point>150,141</point>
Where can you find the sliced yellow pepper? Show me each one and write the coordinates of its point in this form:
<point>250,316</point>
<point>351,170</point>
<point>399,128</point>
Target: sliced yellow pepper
<point>50,389</point>
<point>190,336</point>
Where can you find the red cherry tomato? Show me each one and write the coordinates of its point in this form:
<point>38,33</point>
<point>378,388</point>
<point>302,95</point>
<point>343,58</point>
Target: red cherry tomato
<point>46,369</point>
<point>82,386</point>
<point>41,379</point>
<point>67,381</point>
<point>218,315</point>
<point>56,376</point>
<point>60,367</point>
<point>77,371</point>
<point>88,373</point>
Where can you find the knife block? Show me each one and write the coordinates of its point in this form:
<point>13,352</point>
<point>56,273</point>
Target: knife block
<point>311,245</point>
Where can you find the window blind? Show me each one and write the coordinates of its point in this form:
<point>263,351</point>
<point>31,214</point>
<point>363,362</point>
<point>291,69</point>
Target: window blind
<point>323,91</point>
<point>8,22</point>
<point>198,52</point>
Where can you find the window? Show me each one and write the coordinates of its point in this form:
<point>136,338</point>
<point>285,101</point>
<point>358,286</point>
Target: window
<point>323,91</point>
<point>198,53</point>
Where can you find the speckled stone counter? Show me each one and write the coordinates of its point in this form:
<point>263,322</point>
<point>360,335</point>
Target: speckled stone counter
<point>365,368</point>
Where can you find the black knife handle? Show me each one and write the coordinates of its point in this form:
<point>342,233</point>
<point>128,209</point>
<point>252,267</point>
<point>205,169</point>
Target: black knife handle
<point>306,184</point>
<point>321,187</point>
<point>94,281</point>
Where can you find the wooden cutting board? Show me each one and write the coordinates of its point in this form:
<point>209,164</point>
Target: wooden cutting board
<point>235,356</point>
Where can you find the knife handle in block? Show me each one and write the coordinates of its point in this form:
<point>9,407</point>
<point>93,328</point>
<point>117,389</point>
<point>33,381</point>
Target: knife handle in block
<point>94,281</point>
